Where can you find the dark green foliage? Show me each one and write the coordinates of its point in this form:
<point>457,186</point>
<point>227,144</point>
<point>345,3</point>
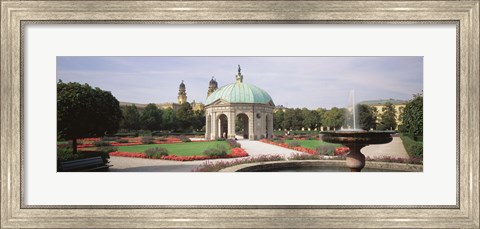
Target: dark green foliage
<point>334,118</point>
<point>198,120</point>
<point>413,117</point>
<point>387,118</point>
<point>184,139</point>
<point>218,151</point>
<point>326,150</point>
<point>109,139</point>
<point>278,117</point>
<point>122,140</point>
<point>151,117</point>
<point>107,149</point>
<point>367,117</point>
<point>293,119</point>
<point>169,119</point>
<point>156,152</point>
<point>220,139</point>
<point>101,143</point>
<point>83,112</point>
<point>127,134</point>
<point>131,118</point>
<point>146,140</point>
<point>413,148</point>
<point>185,116</point>
<point>311,119</point>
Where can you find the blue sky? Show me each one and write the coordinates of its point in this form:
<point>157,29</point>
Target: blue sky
<point>310,82</point>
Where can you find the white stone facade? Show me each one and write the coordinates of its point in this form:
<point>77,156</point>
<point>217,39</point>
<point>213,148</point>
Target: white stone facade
<point>221,117</point>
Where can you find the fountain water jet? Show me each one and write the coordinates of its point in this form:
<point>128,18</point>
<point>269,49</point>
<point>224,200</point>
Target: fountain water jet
<point>356,139</point>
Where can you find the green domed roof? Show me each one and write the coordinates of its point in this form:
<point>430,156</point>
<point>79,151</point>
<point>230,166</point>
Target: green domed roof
<point>240,92</point>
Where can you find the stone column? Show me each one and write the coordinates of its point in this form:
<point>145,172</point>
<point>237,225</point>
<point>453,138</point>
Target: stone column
<point>270,125</point>
<point>251,129</point>
<point>208,126</point>
<point>214,126</point>
<point>231,125</point>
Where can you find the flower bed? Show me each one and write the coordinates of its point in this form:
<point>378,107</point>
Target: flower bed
<point>236,152</point>
<point>285,145</point>
<point>342,150</point>
<point>210,166</point>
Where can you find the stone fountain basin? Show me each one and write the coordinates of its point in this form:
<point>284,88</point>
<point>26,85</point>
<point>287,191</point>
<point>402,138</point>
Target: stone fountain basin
<point>357,137</point>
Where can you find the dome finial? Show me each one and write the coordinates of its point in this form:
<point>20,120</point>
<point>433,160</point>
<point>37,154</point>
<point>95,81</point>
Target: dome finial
<point>239,76</point>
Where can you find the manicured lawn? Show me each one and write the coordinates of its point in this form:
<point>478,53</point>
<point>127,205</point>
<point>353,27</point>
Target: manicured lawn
<point>179,149</point>
<point>312,144</point>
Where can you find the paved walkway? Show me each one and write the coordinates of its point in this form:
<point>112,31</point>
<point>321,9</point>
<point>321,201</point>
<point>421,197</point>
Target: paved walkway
<point>253,148</point>
<point>394,149</point>
<point>257,148</point>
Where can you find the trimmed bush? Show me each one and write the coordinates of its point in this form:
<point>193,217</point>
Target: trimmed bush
<point>218,151</point>
<point>107,149</point>
<point>184,139</point>
<point>156,152</point>
<point>129,134</point>
<point>326,150</point>
<point>220,139</point>
<point>413,148</point>
<point>109,139</point>
<point>146,140</point>
<point>293,143</point>
<point>233,143</point>
<point>122,140</point>
<point>101,143</point>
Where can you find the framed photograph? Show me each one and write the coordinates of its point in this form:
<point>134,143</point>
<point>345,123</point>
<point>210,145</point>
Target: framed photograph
<point>120,114</point>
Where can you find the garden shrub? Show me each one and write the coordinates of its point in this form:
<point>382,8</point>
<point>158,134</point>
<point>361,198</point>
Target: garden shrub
<point>293,143</point>
<point>233,143</point>
<point>101,143</point>
<point>218,151</point>
<point>161,139</point>
<point>127,134</point>
<point>146,140</point>
<point>184,139</point>
<point>107,149</point>
<point>288,138</point>
<point>220,139</point>
<point>109,139</point>
<point>122,140</point>
<point>156,152</point>
<point>413,148</point>
<point>326,150</point>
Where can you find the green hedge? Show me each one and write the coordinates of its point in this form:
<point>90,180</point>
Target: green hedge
<point>413,148</point>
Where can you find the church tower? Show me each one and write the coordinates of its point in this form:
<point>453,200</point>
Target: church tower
<point>212,86</point>
<point>182,94</point>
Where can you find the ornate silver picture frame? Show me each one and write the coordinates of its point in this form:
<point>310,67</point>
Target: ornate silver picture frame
<point>16,14</point>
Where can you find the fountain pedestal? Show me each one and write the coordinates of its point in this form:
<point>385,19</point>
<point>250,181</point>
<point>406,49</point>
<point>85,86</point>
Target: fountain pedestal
<point>355,160</point>
<point>356,140</point>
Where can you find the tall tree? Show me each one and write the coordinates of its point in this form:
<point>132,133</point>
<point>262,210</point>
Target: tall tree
<point>311,119</point>
<point>413,116</point>
<point>184,116</point>
<point>388,117</point>
<point>169,119</point>
<point>198,121</point>
<point>151,117</point>
<point>131,118</point>
<point>367,117</point>
<point>334,118</point>
<point>278,117</point>
<point>83,111</point>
